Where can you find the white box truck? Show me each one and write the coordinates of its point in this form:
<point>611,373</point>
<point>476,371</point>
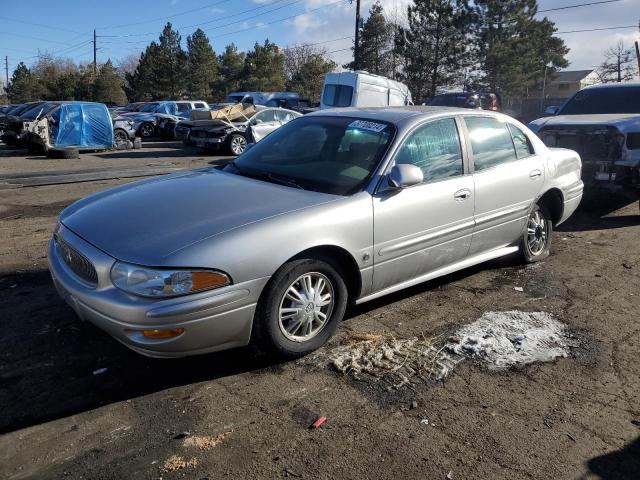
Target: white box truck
<point>362,89</point>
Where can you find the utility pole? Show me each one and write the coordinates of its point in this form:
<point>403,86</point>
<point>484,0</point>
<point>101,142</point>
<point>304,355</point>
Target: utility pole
<point>95,63</point>
<point>638,56</point>
<point>356,55</point>
<point>6,71</point>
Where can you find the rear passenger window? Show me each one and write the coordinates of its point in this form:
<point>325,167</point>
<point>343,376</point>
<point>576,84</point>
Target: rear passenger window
<point>435,148</point>
<point>490,142</point>
<point>183,107</point>
<point>521,142</point>
<point>199,105</point>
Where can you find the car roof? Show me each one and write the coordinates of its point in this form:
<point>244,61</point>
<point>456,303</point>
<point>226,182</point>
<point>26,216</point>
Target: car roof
<point>391,114</point>
<point>612,85</point>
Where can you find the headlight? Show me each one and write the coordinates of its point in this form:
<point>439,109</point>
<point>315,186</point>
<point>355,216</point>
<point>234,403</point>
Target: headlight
<point>160,283</point>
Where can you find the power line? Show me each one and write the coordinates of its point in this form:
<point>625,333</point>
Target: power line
<point>219,19</point>
<point>599,29</point>
<point>34,38</point>
<point>279,20</point>
<point>577,5</point>
<point>110,27</point>
<point>40,25</point>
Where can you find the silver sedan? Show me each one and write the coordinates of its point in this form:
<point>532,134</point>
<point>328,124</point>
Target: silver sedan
<point>334,207</point>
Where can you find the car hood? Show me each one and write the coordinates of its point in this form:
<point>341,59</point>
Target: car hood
<point>623,122</point>
<point>140,116</point>
<point>146,222</point>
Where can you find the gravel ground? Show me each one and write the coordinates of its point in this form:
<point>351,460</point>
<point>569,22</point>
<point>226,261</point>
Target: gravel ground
<point>240,415</point>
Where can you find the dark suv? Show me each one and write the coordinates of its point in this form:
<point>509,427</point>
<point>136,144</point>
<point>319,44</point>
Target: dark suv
<point>474,100</point>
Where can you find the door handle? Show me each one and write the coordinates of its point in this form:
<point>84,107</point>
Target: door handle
<point>535,173</point>
<point>462,194</point>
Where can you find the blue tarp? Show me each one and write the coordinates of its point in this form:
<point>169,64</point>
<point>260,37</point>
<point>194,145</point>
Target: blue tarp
<point>84,125</point>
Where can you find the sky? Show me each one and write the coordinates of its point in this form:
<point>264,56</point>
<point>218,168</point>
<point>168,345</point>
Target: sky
<point>65,28</point>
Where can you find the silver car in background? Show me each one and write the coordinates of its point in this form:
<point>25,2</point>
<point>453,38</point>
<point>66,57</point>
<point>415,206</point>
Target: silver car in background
<point>334,207</point>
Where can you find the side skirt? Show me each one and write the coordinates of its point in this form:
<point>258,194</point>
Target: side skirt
<point>467,262</point>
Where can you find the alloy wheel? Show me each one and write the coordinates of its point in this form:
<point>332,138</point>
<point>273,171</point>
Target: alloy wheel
<point>306,306</point>
<point>238,144</point>
<point>537,233</point>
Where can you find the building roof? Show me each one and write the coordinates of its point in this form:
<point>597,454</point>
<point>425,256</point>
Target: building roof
<point>570,76</point>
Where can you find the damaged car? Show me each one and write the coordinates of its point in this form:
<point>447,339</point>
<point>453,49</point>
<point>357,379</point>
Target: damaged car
<point>337,207</point>
<point>71,126</point>
<point>148,116</point>
<point>601,123</point>
<point>13,125</point>
<point>234,133</point>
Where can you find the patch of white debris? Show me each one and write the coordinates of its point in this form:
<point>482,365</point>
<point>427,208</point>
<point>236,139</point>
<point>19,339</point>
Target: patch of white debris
<point>497,341</point>
<point>501,340</point>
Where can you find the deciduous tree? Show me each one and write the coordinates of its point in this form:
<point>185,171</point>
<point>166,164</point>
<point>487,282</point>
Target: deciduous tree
<point>618,65</point>
<point>305,67</point>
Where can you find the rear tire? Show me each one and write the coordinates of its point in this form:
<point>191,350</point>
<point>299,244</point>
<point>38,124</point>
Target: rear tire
<point>536,238</point>
<point>316,291</point>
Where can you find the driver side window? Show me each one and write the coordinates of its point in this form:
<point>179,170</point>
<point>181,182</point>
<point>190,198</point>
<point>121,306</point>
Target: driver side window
<point>435,149</point>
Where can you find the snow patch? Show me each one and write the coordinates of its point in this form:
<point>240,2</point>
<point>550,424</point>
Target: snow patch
<point>500,340</point>
<point>497,341</point>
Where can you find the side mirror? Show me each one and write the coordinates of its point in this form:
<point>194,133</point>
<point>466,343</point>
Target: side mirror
<point>551,110</point>
<point>404,175</point>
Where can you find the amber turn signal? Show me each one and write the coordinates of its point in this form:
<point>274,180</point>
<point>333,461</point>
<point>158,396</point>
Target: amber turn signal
<point>159,334</point>
<point>207,280</point>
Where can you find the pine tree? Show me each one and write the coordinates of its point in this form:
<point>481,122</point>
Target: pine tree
<point>375,44</point>
<point>140,84</point>
<point>23,86</point>
<point>230,68</point>
<point>434,46</point>
<point>202,66</point>
<point>263,69</point>
<point>169,66</point>
<point>513,46</point>
<point>107,87</point>
<point>305,68</point>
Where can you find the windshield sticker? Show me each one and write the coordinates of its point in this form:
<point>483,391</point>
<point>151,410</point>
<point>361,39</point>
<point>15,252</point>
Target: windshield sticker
<point>371,126</point>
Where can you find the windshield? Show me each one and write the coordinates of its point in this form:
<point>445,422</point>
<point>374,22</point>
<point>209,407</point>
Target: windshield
<point>336,155</point>
<point>599,101</point>
<point>149,107</point>
<point>40,110</point>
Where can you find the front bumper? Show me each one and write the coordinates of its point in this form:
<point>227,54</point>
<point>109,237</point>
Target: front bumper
<point>214,320</point>
<point>208,142</point>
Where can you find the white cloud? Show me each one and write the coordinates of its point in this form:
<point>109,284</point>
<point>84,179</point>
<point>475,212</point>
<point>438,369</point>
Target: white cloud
<point>215,10</point>
<point>306,22</point>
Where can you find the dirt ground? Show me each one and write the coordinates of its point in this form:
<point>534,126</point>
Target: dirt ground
<point>239,415</point>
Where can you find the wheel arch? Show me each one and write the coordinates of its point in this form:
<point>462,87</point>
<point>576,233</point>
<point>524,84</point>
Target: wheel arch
<point>553,200</point>
<point>341,260</point>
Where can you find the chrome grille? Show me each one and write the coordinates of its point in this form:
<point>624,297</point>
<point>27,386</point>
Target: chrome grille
<point>77,262</point>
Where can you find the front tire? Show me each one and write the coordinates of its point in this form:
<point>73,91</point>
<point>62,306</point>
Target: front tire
<point>147,130</point>
<point>120,136</point>
<point>536,239</point>
<point>301,308</point>
<point>237,143</point>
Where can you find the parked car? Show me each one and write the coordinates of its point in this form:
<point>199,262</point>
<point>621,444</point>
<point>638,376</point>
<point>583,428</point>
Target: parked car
<point>273,247</point>
<point>484,101</point>
<point>258,98</point>
<point>234,136</point>
<point>130,107</point>
<point>300,105</point>
<point>362,89</point>
<point>76,125</point>
<point>124,129</point>
<point>147,116</point>
<point>602,123</point>
<point>185,106</point>
<point>10,121</point>
<point>15,129</point>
